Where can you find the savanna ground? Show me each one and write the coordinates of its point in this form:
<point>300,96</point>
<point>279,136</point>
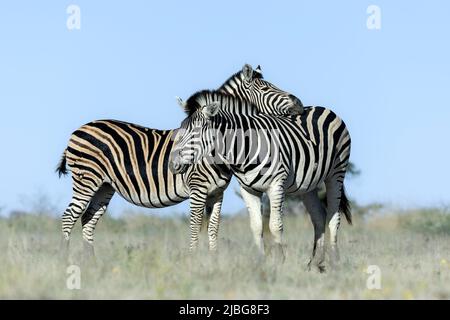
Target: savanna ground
<point>145,257</point>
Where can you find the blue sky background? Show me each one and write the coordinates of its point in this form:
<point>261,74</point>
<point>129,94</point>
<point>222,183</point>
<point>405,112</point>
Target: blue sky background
<point>130,58</point>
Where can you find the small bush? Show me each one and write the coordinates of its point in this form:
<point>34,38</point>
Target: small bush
<point>430,221</point>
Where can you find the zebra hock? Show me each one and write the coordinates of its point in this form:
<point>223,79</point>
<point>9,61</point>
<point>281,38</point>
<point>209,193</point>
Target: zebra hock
<point>293,155</point>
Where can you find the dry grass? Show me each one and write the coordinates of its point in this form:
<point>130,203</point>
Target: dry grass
<point>145,257</point>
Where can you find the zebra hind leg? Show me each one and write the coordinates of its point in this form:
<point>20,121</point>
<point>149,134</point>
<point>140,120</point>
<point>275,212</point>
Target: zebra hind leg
<point>72,213</point>
<point>335,197</point>
<point>85,185</point>
<point>318,214</point>
<point>276,196</point>
<point>91,216</point>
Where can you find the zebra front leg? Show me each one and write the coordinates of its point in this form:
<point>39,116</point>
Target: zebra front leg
<point>253,203</point>
<point>214,220</point>
<point>276,194</point>
<point>94,212</point>
<point>318,216</point>
<point>197,204</point>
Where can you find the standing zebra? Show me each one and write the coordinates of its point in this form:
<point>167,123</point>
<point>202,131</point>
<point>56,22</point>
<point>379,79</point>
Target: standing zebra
<point>109,156</point>
<point>273,155</point>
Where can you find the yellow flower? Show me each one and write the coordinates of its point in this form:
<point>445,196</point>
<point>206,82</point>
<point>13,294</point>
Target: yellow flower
<point>230,294</point>
<point>408,295</point>
<point>387,290</point>
<point>116,270</point>
<point>444,262</point>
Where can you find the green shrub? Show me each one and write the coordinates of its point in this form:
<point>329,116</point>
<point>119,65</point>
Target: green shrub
<point>430,221</point>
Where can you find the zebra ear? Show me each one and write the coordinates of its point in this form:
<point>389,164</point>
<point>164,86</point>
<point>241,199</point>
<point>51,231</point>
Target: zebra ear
<point>258,69</point>
<point>247,72</point>
<point>181,103</point>
<point>210,110</point>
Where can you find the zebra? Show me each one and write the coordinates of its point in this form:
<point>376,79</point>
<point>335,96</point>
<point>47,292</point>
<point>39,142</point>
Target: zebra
<point>250,85</point>
<point>273,155</point>
<point>109,156</point>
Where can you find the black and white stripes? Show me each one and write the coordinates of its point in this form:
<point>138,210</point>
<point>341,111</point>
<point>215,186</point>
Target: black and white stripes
<point>274,155</point>
<point>250,85</point>
<point>109,156</point>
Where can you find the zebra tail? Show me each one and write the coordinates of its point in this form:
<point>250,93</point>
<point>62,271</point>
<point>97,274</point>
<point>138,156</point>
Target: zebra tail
<point>61,169</point>
<point>344,207</point>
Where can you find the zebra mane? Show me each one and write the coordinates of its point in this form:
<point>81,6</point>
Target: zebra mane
<point>200,98</point>
<point>237,75</point>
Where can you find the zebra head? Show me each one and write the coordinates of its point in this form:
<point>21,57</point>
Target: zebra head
<point>248,84</point>
<point>194,140</point>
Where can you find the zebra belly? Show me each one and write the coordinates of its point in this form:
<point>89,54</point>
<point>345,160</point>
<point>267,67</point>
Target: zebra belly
<point>157,196</point>
<point>152,199</point>
<point>153,202</point>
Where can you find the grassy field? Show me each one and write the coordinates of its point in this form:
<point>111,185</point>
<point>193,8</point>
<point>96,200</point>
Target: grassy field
<point>145,257</point>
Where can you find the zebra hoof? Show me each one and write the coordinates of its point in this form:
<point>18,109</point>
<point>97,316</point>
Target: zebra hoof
<point>317,266</point>
<point>321,269</point>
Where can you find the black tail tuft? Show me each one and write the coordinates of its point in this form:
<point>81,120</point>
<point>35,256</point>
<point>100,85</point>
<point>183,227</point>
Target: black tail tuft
<point>344,206</point>
<point>61,169</point>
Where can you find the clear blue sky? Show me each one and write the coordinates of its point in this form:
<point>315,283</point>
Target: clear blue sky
<point>130,58</point>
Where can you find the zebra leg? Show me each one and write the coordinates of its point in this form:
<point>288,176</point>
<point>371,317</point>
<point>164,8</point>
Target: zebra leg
<point>276,194</point>
<point>76,207</point>
<point>337,203</point>
<point>83,191</point>
<point>197,204</point>
<point>214,219</point>
<point>93,213</point>
<point>334,188</point>
<point>318,215</point>
<point>253,203</point>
